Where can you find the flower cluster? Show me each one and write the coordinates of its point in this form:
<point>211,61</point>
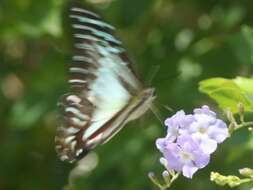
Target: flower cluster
<point>190,140</point>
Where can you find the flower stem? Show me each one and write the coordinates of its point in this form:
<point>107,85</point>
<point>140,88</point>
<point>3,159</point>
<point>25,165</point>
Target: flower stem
<point>244,124</point>
<point>168,179</point>
<point>246,180</point>
<point>154,180</point>
<point>167,185</point>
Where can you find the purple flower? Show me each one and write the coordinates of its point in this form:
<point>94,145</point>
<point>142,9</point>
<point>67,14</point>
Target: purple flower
<point>203,126</point>
<point>176,123</point>
<point>207,129</point>
<point>185,155</point>
<point>191,139</point>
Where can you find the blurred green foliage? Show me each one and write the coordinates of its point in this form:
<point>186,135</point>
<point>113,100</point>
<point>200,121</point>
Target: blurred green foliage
<point>189,40</point>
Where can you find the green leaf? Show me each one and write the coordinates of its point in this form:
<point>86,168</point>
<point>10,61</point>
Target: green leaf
<point>229,92</point>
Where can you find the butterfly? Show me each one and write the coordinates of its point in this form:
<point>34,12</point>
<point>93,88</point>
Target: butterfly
<point>105,92</point>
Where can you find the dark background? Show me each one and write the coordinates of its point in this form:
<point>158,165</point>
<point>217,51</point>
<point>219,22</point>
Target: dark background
<point>186,41</point>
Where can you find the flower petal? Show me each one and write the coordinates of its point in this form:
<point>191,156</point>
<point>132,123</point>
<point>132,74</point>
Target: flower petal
<point>175,119</point>
<point>161,143</point>
<point>208,145</point>
<point>187,143</point>
<point>218,131</point>
<point>204,110</point>
<point>172,133</point>
<point>189,170</point>
<point>201,159</point>
<point>171,155</point>
<point>186,121</point>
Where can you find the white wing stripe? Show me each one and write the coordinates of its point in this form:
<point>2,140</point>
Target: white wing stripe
<point>72,130</point>
<point>77,113</point>
<point>115,50</point>
<point>105,35</point>
<point>89,37</point>
<point>84,46</point>
<point>74,98</point>
<point>78,152</point>
<point>69,139</point>
<point>78,122</point>
<point>73,145</point>
<point>76,9</point>
<point>90,131</point>
<point>77,81</point>
<point>64,157</point>
<point>82,58</point>
<point>91,21</point>
<point>78,70</point>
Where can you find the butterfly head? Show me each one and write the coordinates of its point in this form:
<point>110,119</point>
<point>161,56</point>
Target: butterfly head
<point>150,93</point>
<point>147,95</point>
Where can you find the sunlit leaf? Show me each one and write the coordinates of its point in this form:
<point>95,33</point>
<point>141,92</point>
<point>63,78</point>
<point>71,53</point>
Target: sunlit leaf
<point>229,92</point>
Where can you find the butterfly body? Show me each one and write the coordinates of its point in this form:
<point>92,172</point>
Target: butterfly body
<point>105,91</point>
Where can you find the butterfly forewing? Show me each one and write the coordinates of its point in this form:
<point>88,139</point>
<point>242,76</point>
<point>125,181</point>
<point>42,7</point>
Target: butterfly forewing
<point>102,84</point>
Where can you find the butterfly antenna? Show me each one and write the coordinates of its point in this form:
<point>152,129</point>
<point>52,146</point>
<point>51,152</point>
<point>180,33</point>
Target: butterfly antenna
<point>152,74</point>
<point>169,109</point>
<point>166,107</point>
<point>155,111</point>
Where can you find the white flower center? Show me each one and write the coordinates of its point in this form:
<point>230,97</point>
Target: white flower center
<point>186,157</point>
<point>203,130</point>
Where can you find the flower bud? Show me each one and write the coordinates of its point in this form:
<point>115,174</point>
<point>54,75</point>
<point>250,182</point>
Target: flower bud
<point>231,127</point>
<point>241,111</point>
<point>222,180</point>
<point>166,176</point>
<point>240,107</point>
<point>247,172</point>
<point>230,115</point>
<point>217,178</point>
<point>233,181</point>
<point>164,162</point>
<point>151,175</point>
<point>153,178</point>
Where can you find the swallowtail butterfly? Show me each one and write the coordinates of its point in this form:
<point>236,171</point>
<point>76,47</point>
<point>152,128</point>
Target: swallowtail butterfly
<point>105,92</point>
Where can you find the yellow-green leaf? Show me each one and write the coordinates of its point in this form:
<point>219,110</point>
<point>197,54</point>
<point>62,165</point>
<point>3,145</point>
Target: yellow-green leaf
<point>229,92</point>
